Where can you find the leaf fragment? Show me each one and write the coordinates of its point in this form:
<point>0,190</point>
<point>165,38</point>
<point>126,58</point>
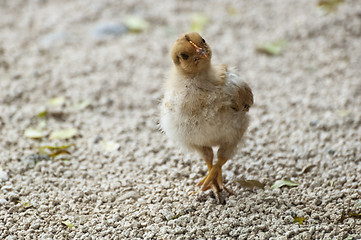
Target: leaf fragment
<point>273,48</point>
<point>176,216</point>
<point>349,214</point>
<point>63,134</point>
<point>54,151</point>
<point>56,101</point>
<point>82,105</point>
<point>110,146</point>
<point>299,220</point>
<point>307,169</point>
<point>349,237</point>
<point>343,113</point>
<point>42,114</point>
<point>358,204</point>
<point>251,184</point>
<point>199,21</point>
<point>284,182</point>
<point>34,133</point>
<point>329,6</point>
<point>68,224</point>
<point>136,24</point>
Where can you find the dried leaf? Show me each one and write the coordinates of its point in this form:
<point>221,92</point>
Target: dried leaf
<point>284,182</point>
<point>26,204</point>
<point>136,24</point>
<point>176,216</point>
<point>232,10</point>
<point>54,151</point>
<point>307,169</point>
<point>34,133</point>
<point>350,214</point>
<point>299,220</point>
<point>349,237</point>
<point>68,224</point>
<point>199,21</point>
<point>82,105</point>
<point>251,184</point>
<point>63,133</point>
<point>329,6</point>
<point>273,48</point>
<point>57,101</point>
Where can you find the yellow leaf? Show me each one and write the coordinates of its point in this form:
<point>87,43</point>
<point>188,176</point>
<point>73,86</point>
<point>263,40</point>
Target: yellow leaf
<point>136,24</point>
<point>199,21</point>
<point>299,220</point>
<point>329,5</point>
<point>63,134</point>
<point>57,101</point>
<point>43,114</point>
<point>68,224</point>
<point>34,133</point>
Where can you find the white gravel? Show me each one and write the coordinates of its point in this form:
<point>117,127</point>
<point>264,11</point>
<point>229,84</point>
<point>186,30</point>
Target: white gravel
<point>307,112</point>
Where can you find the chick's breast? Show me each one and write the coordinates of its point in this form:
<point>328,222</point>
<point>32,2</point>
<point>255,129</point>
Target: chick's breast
<point>204,115</point>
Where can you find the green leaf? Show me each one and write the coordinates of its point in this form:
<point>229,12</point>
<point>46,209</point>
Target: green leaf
<point>284,182</point>
<point>273,48</point>
<point>57,101</point>
<point>251,184</point>
<point>68,224</point>
<point>34,133</point>
<point>63,134</point>
<point>199,21</point>
<point>299,220</point>
<point>329,6</point>
<point>136,24</point>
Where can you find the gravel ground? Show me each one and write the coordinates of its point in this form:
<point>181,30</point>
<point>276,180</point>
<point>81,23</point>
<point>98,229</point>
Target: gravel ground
<point>122,178</point>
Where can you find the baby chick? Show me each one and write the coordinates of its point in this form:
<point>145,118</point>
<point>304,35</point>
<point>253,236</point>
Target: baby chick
<point>204,106</point>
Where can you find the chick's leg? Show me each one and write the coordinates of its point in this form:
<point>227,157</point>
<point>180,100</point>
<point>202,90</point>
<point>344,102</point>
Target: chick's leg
<point>207,155</point>
<point>215,174</point>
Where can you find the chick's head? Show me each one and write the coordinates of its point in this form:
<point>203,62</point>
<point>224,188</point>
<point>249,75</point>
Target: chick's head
<point>191,54</point>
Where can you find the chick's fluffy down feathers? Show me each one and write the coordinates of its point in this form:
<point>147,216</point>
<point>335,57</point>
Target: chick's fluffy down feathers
<point>208,110</point>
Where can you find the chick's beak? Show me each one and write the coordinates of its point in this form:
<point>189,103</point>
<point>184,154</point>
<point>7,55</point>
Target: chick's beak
<point>202,53</point>
<point>199,50</point>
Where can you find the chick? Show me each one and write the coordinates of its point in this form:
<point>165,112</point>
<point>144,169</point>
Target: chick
<point>204,106</point>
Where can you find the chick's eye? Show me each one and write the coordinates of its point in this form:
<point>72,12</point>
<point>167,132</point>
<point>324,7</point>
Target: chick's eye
<point>204,41</point>
<point>184,56</point>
